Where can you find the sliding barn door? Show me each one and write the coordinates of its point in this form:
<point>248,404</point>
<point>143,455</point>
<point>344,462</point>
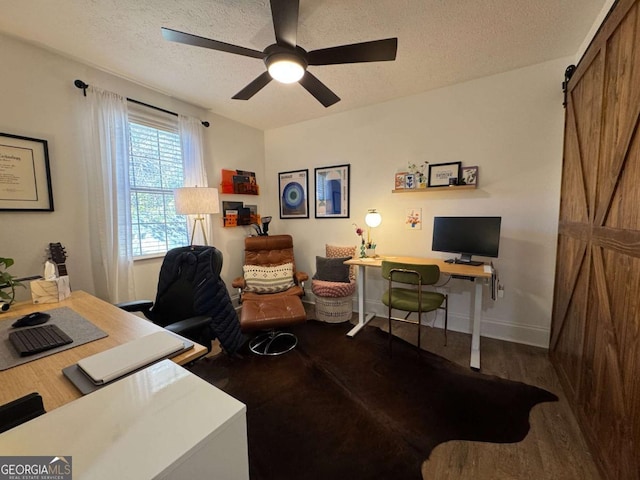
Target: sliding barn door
<point>595,340</point>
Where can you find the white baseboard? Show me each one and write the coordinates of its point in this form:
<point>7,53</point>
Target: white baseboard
<point>491,327</point>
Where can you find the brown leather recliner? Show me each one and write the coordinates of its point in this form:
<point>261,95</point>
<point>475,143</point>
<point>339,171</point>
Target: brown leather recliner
<point>270,291</point>
<point>270,251</point>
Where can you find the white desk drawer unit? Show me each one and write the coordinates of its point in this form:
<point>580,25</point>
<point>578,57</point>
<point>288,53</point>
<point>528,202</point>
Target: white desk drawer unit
<point>162,422</point>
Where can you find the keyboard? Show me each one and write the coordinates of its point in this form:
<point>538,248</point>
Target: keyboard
<point>38,339</point>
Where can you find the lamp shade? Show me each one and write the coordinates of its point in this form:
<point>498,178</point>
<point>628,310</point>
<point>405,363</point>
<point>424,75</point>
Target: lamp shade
<point>373,218</point>
<point>196,200</point>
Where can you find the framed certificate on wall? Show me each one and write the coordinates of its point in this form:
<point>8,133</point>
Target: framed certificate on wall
<point>25,178</point>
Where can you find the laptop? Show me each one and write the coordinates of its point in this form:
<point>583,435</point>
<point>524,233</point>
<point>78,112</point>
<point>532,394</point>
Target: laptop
<point>118,361</point>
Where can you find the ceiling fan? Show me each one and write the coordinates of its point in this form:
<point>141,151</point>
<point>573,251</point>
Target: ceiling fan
<point>286,61</point>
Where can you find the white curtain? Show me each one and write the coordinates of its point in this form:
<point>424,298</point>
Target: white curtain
<point>193,160</point>
<point>107,157</point>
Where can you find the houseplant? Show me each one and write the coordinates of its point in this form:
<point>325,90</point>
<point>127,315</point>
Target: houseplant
<point>7,282</point>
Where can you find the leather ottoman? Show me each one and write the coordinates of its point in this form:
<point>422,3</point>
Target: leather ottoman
<point>268,313</point>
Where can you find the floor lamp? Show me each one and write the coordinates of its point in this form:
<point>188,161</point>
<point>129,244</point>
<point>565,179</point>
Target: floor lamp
<point>197,201</point>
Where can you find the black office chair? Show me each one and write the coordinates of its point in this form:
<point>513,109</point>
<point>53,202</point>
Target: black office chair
<point>412,299</point>
<point>192,299</point>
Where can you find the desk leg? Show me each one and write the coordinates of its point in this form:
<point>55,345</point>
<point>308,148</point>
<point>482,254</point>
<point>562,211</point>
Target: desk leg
<point>363,318</point>
<point>475,329</point>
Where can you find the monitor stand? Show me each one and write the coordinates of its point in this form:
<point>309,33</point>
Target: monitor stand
<point>465,260</point>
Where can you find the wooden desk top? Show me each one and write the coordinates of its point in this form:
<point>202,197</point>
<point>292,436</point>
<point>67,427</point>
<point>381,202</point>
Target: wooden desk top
<point>45,374</point>
<point>449,268</point>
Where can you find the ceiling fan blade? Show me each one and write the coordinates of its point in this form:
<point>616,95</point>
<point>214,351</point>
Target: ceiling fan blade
<point>374,51</point>
<point>254,87</point>
<point>318,89</point>
<point>285,21</point>
<point>189,39</point>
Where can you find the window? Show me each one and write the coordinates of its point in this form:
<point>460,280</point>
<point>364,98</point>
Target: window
<point>155,169</point>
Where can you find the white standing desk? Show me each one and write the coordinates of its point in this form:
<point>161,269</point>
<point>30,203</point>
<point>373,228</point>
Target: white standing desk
<point>162,422</point>
<point>476,273</point>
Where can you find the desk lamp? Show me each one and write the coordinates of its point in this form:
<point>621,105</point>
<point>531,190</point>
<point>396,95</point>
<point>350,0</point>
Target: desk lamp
<point>197,201</point>
<point>373,219</point>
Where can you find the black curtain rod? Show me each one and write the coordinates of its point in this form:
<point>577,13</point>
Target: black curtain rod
<point>80,84</point>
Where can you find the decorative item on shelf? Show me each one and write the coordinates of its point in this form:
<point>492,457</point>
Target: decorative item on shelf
<point>230,218</point>
<point>240,182</point>
<point>420,179</point>
<point>238,214</point>
<point>414,219</point>
<point>197,201</point>
<point>469,176</point>
<point>409,181</point>
<point>399,181</point>
<point>440,174</point>
<point>7,282</point>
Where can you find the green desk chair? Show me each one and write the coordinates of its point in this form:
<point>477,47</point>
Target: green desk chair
<point>412,299</point>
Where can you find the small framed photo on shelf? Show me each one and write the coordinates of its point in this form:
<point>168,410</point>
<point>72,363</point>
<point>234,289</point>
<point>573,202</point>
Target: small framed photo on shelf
<point>439,174</point>
<point>469,176</point>
<point>409,180</point>
<point>399,180</point>
<point>294,199</point>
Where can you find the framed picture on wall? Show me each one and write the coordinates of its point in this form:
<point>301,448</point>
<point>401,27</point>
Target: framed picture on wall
<point>332,191</point>
<point>413,219</point>
<point>294,197</point>
<point>469,175</point>
<point>25,178</point>
<point>439,174</point>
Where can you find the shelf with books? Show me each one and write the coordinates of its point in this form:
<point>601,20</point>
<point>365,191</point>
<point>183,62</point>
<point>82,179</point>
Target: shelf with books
<point>239,182</point>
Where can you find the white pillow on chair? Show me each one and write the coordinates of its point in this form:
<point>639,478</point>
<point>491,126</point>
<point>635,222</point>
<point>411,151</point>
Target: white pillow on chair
<point>260,279</point>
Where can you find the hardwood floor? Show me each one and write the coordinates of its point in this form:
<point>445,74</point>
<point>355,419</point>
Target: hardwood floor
<point>554,449</point>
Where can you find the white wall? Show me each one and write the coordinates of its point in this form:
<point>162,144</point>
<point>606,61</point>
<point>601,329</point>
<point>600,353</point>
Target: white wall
<point>39,100</point>
<point>608,4</point>
<point>510,125</point>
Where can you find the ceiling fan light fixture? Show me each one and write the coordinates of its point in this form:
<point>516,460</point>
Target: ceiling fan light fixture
<point>285,67</point>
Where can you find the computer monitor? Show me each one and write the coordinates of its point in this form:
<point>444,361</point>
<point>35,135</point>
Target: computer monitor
<point>467,236</point>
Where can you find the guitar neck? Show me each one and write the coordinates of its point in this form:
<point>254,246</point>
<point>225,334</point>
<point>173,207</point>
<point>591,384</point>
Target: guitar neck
<point>58,255</point>
<point>62,269</point>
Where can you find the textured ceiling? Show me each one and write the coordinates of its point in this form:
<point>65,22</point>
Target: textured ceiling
<point>440,42</point>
